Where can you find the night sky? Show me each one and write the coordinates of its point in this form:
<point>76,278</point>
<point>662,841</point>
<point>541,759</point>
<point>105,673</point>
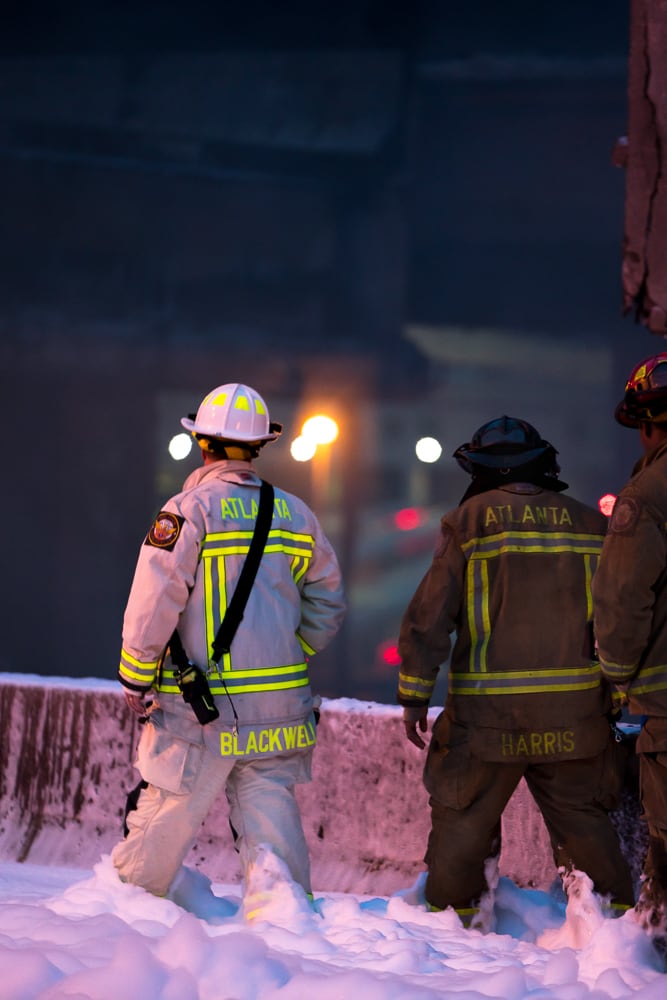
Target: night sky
<point>449,166</point>
<point>576,28</point>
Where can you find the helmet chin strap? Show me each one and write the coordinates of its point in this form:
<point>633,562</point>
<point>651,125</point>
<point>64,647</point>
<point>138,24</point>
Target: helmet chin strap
<point>230,450</point>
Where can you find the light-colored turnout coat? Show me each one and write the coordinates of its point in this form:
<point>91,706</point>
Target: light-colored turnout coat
<point>185,577</point>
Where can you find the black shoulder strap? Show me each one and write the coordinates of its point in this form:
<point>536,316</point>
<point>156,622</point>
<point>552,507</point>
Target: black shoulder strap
<point>178,655</point>
<point>236,606</point>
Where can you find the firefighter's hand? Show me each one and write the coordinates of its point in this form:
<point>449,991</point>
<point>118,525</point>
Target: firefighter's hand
<point>135,701</point>
<point>413,718</point>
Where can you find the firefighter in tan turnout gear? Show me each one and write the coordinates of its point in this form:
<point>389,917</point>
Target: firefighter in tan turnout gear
<point>249,729</point>
<point>511,576</point>
<point>630,604</point>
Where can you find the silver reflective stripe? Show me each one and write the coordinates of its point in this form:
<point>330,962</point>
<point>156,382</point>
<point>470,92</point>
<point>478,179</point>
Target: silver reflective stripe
<point>650,679</point>
<point>136,672</point>
<point>415,687</point>
<point>218,546</point>
<point>237,543</point>
<point>479,551</point>
<point>295,675</point>
<point>532,541</point>
<point>526,681</point>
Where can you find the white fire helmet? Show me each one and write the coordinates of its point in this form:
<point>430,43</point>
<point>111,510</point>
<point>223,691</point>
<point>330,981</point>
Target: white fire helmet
<point>233,412</point>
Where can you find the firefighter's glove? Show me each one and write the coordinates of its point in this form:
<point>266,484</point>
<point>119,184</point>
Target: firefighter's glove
<point>414,718</point>
<point>135,701</point>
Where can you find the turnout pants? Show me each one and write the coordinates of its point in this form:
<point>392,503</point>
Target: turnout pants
<point>262,804</point>
<point>468,797</point>
<point>653,791</point>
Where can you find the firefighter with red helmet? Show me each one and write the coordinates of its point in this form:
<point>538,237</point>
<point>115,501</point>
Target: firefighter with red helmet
<point>511,576</point>
<point>630,611</point>
<point>240,722</point>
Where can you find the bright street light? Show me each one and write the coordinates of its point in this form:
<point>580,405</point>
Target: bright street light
<point>302,449</point>
<point>428,449</point>
<point>180,446</point>
<point>320,429</point>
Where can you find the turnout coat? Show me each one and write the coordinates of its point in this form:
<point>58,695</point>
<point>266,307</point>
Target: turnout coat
<point>185,576</point>
<point>630,592</point>
<point>511,577</point>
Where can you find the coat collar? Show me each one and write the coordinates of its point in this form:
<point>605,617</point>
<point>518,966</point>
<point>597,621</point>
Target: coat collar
<point>230,470</point>
<point>650,457</point>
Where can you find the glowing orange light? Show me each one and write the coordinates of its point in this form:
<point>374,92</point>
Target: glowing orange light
<point>408,518</point>
<point>606,503</point>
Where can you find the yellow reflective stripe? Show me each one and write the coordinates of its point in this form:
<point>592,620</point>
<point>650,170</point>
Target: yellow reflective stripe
<point>484,614</point>
<point>480,550</point>
<point>486,618</point>
<point>305,646</point>
<point>238,542</point>
<point>215,586</point>
<point>232,687</point>
<point>240,549</point>
<point>291,549</point>
<point>525,681</point>
<point>142,678</point>
<point>218,545</point>
<point>650,679</point>
<point>466,913</point>
<point>299,566</point>
<point>136,670</point>
<point>489,688</point>
<point>618,671</point>
<point>296,536</point>
<point>141,664</point>
<point>472,621</point>
<point>235,688</point>
<point>479,618</point>
<point>293,675</point>
<point>292,668</point>
<point>589,569</point>
<point>209,618</point>
<point>132,675</point>
<point>415,687</point>
<point>532,541</point>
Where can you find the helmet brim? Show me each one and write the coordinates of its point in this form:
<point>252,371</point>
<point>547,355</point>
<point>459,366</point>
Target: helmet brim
<point>467,457</point>
<point>194,428</point>
<point>624,418</point>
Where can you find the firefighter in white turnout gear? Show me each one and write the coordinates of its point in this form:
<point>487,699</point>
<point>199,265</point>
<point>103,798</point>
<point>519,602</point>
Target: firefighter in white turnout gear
<point>256,737</point>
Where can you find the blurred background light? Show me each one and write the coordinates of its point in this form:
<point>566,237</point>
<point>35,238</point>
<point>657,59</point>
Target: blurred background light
<point>180,446</point>
<point>408,518</point>
<point>320,429</point>
<point>428,449</point>
<point>302,449</point>
<point>606,503</point>
<point>388,653</point>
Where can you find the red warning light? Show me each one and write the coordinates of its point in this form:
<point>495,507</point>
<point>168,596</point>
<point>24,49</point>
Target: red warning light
<point>408,518</point>
<point>606,503</point>
<point>389,654</point>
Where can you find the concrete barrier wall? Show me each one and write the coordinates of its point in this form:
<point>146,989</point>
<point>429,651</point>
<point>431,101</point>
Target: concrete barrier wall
<point>66,765</point>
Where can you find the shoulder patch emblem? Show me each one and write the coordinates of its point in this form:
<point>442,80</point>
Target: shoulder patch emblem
<point>624,516</point>
<point>165,530</point>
